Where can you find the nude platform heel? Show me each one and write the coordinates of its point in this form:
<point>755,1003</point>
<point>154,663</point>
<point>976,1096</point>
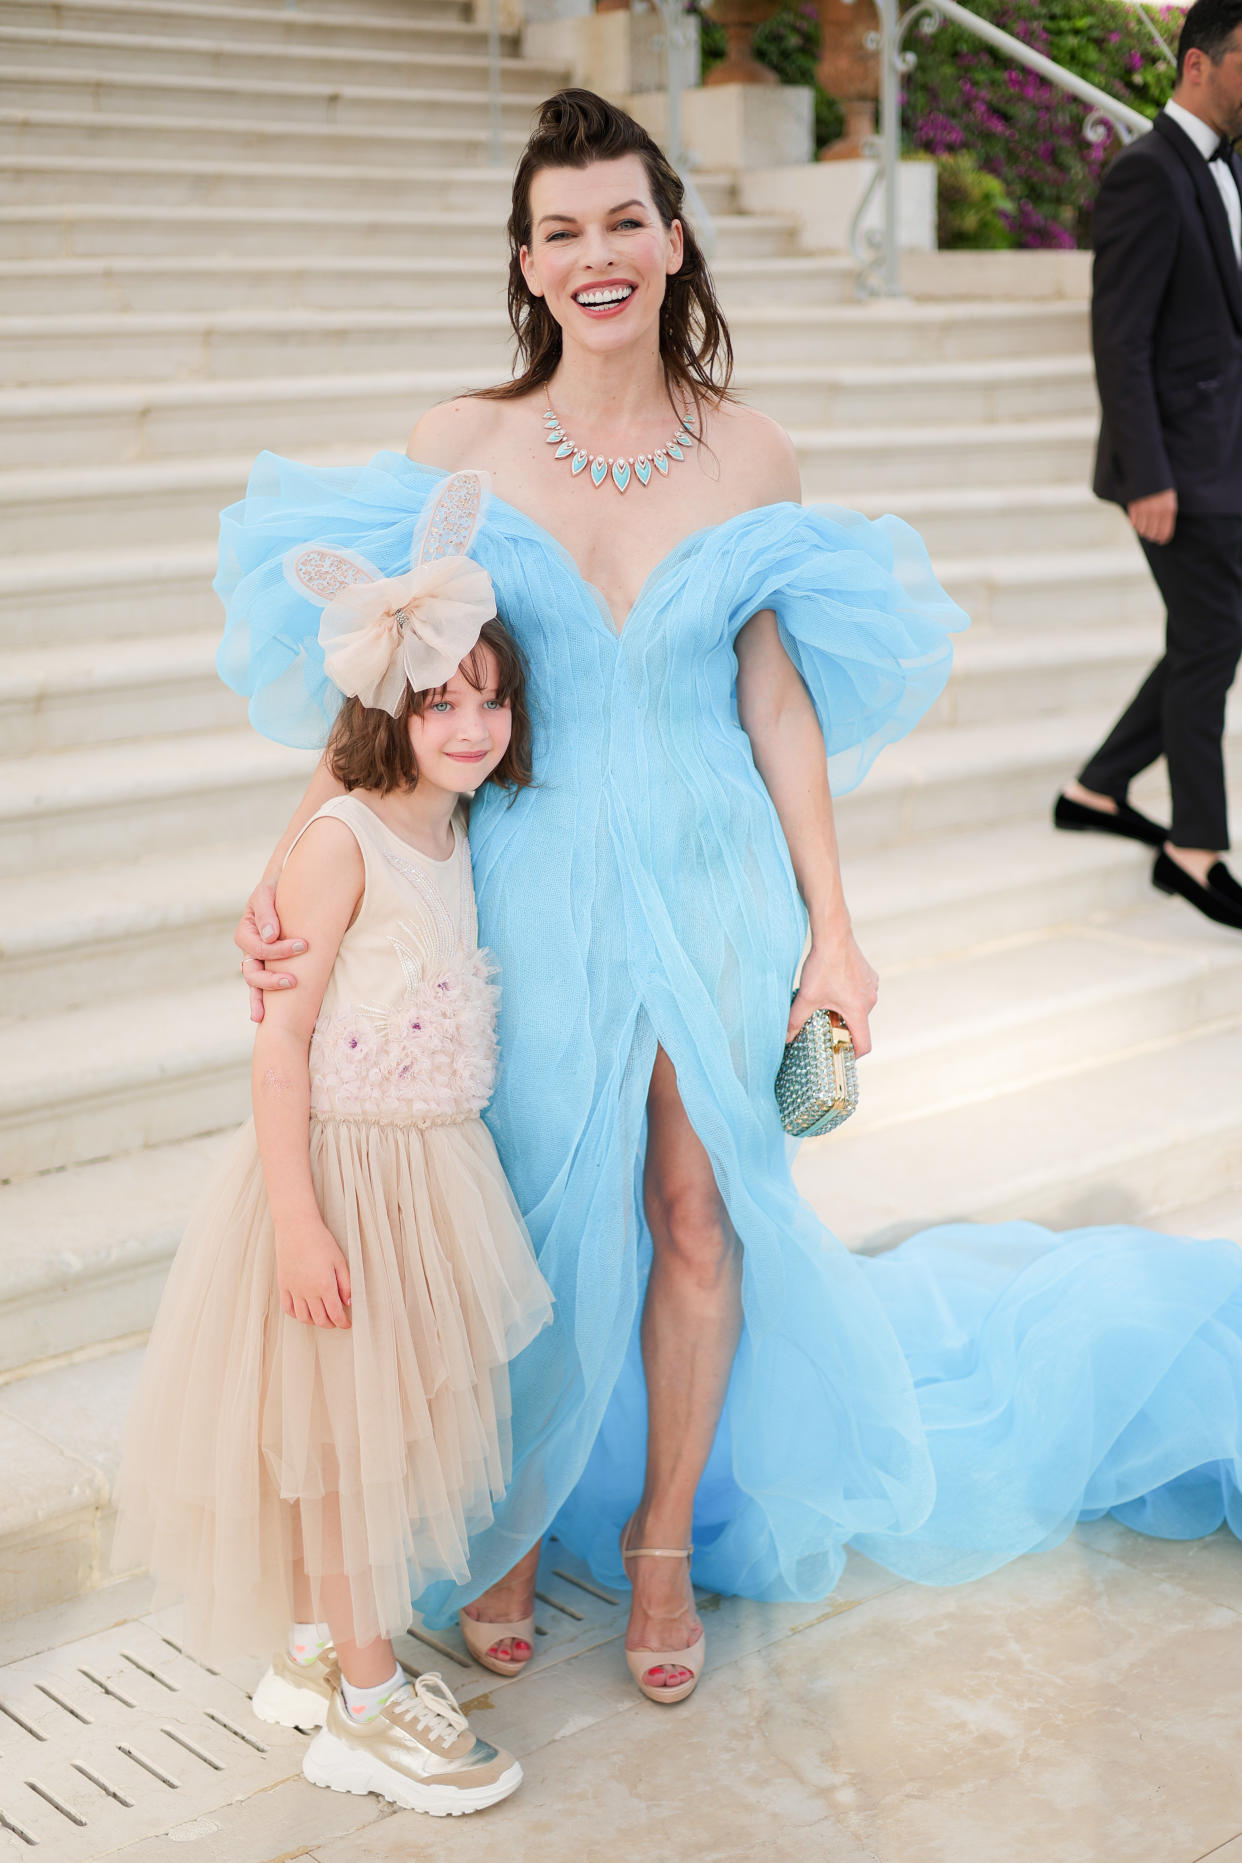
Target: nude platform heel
<point>641,1661</point>
<point>479,1637</point>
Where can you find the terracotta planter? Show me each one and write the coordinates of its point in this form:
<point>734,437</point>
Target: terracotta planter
<point>739,19</point>
<point>850,72</point>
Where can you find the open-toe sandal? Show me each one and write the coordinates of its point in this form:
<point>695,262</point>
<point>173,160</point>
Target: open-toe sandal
<point>480,1638</point>
<point>642,1662</point>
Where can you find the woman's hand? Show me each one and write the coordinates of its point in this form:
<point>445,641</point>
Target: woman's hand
<point>258,939</point>
<point>313,1274</point>
<point>837,976</point>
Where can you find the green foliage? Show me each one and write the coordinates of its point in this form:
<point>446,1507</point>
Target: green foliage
<point>1026,133</point>
<point>973,211</point>
<point>790,44</point>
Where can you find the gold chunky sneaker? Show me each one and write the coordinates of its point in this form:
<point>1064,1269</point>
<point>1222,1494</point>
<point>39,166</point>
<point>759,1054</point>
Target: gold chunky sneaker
<point>417,1751</point>
<point>296,1694</point>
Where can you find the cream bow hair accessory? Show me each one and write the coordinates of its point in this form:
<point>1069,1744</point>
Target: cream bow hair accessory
<point>380,634</point>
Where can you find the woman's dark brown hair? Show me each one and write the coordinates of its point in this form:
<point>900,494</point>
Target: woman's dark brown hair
<point>575,129</point>
<point>370,749</point>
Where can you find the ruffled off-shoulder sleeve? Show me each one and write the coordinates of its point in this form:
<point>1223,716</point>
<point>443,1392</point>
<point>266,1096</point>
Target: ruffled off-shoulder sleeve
<point>862,617</point>
<point>270,652</point>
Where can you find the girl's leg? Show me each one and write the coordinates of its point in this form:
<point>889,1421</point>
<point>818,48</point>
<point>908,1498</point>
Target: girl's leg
<point>691,1324</point>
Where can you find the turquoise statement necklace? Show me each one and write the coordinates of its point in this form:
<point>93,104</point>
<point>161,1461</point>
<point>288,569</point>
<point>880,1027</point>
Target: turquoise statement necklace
<point>621,470</point>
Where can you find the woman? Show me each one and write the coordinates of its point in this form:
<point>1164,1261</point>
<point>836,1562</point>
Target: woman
<point>718,1364</point>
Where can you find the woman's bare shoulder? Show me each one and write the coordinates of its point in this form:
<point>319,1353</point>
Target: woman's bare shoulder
<point>451,434</point>
<point>760,452</point>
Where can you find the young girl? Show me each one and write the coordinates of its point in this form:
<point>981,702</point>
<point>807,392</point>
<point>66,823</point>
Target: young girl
<point>323,1419</point>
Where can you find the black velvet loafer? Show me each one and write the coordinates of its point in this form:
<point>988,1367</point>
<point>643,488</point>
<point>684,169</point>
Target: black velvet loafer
<point>1222,881</point>
<point>1127,822</point>
<point>1170,878</point>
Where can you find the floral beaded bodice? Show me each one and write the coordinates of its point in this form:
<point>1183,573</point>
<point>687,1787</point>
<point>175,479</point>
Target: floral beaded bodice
<point>406,1031</point>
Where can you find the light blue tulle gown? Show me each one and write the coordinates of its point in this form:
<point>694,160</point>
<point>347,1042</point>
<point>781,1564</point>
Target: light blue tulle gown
<point>945,1407</point>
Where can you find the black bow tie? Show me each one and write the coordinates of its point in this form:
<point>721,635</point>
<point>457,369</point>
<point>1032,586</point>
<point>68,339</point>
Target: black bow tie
<point>1222,151</point>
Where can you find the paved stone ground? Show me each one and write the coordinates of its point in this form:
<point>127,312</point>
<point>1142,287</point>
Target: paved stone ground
<point>1082,1706</point>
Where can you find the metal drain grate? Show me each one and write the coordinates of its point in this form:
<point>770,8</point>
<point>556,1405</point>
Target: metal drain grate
<point>121,1736</point>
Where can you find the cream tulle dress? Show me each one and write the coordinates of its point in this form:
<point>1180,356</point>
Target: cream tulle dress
<point>376,1451</point>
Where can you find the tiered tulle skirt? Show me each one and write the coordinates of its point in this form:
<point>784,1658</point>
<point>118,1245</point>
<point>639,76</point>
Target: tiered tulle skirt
<point>371,1453</point>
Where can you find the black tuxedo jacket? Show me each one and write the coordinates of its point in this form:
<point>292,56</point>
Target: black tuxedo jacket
<point>1166,328</point>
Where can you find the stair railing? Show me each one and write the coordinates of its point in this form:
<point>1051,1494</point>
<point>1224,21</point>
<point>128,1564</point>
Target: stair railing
<point>495,108</point>
<point>878,249</point>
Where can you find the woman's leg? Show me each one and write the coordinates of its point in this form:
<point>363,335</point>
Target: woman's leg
<point>511,1597</point>
<point>691,1323</point>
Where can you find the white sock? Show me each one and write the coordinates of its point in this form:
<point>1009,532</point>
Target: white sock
<point>365,1703</point>
<point>307,1641</point>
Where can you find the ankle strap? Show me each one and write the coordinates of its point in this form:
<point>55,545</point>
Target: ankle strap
<point>657,1552</point>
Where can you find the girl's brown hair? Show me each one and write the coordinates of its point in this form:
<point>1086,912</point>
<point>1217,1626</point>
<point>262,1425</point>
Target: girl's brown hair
<point>575,129</point>
<point>370,749</point>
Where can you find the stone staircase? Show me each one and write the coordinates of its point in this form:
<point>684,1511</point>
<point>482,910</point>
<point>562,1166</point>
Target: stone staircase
<point>211,241</point>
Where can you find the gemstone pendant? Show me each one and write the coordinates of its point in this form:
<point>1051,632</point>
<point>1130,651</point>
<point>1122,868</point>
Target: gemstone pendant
<point>685,439</point>
<point>620,474</point>
<point>674,451</point>
<point>577,463</point>
<point>599,471</point>
<point>660,463</point>
<point>554,436</point>
<point>563,451</point>
<point>642,468</point>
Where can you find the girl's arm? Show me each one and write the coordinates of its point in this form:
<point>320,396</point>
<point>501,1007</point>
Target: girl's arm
<point>778,717</point>
<point>258,933</point>
<point>320,890</point>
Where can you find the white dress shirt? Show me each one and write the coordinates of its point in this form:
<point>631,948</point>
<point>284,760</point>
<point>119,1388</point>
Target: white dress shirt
<point>1207,142</point>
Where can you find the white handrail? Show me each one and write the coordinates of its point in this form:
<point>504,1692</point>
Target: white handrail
<point>879,253</point>
<point>495,110</point>
<point>1035,61</point>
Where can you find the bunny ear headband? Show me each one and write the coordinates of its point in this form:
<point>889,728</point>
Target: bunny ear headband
<point>382,633</point>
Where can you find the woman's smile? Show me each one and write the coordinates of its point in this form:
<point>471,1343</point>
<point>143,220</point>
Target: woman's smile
<point>604,300</point>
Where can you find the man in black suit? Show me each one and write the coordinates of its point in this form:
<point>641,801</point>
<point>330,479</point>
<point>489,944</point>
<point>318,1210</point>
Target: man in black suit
<point>1167,333</point>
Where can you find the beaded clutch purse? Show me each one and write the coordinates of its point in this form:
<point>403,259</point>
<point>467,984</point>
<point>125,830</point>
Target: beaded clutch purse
<point>817,1086</point>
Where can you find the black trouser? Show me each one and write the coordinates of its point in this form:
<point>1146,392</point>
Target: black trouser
<point>1179,710</point>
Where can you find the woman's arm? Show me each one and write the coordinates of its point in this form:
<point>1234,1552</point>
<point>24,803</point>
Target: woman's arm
<point>778,717</point>
<point>319,889</point>
<point>258,934</point>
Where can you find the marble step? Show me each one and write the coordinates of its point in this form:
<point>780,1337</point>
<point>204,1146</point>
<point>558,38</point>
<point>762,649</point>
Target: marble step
<point>62,424</point>
<point>985,455</point>
<point>1030,672</point>
<point>92,1082</point>
<point>933,394</point>
<point>461,137</point>
<point>90,1239</point>
<point>160,922</point>
<point>60,1434</point>
<point>964,777</point>
<point>91,1247</point>
<point>49,64</point>
<point>118,1076</point>
<point>78,808</point>
<point>971,1027</point>
<point>1121,1139</point>
<point>389,282</point>
<point>68,697</point>
<point>54,179</point>
<point>109,230</point>
<point>266,108</point>
<point>411,28</point>
<point>1057,590</point>
<point>89,596</point>
<point>997,525</point>
<point>100,347</point>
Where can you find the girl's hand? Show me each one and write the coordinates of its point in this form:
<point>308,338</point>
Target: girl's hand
<point>258,938</point>
<point>313,1275</point>
<point>837,976</point>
